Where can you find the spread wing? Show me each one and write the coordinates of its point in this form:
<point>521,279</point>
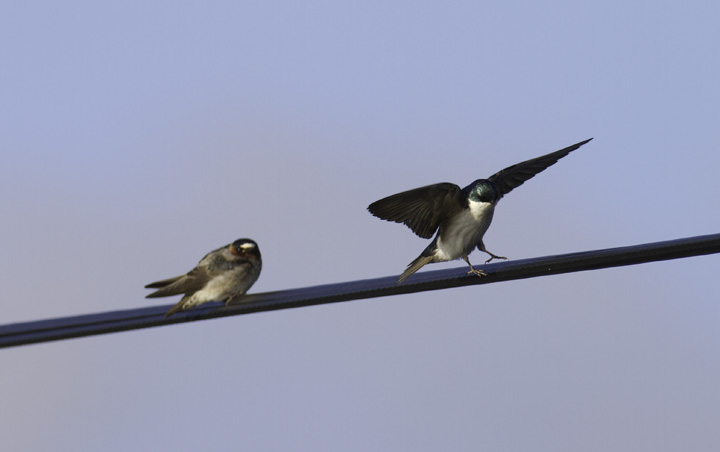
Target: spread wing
<point>421,209</point>
<point>514,176</point>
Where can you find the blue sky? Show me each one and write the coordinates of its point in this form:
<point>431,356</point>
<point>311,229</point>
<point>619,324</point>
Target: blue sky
<point>136,137</point>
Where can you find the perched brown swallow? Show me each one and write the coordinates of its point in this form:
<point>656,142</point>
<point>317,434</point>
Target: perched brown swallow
<point>221,275</point>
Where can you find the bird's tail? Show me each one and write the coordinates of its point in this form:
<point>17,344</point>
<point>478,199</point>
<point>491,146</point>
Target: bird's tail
<point>177,307</point>
<point>180,305</point>
<point>414,266</point>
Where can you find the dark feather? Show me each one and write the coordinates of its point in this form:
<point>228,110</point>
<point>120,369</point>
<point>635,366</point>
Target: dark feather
<point>514,176</point>
<point>190,283</point>
<point>178,306</point>
<point>421,209</point>
<point>414,266</point>
<point>162,283</point>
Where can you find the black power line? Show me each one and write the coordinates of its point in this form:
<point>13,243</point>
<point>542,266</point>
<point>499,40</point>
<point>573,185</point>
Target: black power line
<point>131,319</point>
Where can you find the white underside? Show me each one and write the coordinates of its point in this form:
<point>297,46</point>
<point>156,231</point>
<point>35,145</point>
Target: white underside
<point>220,288</point>
<point>462,235</point>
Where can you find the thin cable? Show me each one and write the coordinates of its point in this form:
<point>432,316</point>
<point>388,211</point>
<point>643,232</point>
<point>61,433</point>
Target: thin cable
<point>132,319</point>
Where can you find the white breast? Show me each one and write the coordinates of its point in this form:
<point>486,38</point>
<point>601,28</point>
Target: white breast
<point>465,232</point>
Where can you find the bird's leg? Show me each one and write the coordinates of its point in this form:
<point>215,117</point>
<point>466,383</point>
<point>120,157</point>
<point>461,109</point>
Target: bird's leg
<point>472,269</point>
<point>492,256</point>
<point>481,247</point>
<point>230,298</point>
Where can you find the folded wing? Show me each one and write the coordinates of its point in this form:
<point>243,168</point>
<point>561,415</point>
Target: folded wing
<point>192,282</point>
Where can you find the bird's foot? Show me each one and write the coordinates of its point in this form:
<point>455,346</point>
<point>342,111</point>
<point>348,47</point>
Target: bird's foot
<point>227,302</point>
<point>480,273</point>
<point>477,272</point>
<point>492,256</point>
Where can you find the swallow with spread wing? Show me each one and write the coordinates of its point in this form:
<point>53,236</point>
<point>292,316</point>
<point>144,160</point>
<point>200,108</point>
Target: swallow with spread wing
<point>460,216</point>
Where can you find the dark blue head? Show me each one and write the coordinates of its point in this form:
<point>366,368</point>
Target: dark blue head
<point>482,190</point>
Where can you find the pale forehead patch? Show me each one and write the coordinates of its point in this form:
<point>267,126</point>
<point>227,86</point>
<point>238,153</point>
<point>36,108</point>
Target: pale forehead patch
<point>247,245</point>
